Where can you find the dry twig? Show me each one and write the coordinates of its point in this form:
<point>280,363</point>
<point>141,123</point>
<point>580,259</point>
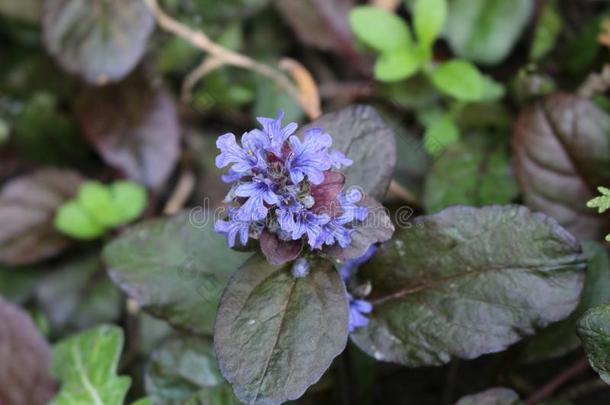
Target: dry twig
<point>219,56</point>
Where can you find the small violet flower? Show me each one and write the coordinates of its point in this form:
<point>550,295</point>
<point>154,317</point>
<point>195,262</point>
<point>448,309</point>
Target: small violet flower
<point>356,310</point>
<point>357,307</point>
<point>232,227</point>
<point>288,188</point>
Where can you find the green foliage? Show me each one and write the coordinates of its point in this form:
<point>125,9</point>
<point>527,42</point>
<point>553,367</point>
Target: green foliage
<point>485,31</point>
<point>429,21</point>
<point>400,58</point>
<point>43,133</point>
<point>594,331</point>
<point>97,89</point>
<point>459,79</point>
<point>184,370</point>
<point>381,30</point>
<point>440,134</point>
<point>98,208</point>
<point>602,203</point>
<point>397,65</point>
<point>475,172</point>
<point>547,32</point>
<point>86,365</point>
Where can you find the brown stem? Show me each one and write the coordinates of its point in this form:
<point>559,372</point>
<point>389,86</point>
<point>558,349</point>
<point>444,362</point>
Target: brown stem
<point>550,387</point>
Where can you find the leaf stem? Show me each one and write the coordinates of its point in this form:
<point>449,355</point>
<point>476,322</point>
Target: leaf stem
<point>553,385</point>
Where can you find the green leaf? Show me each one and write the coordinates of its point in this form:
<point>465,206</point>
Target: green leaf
<point>99,207</point>
<point>96,200</point>
<point>129,199</point>
<point>492,90</point>
<point>44,133</point>
<point>175,268</point>
<point>547,31</point>
<point>492,396</point>
<point>560,338</point>
<point>485,31</point>
<point>86,364</point>
<point>17,283</point>
<point>365,138</point>
<point>397,65</point>
<point>26,359</point>
<point>184,369</point>
<point>429,20</point>
<point>602,203</point>
<point>275,334</point>
<point>74,220</point>
<point>560,155</point>
<point>467,282</point>
<point>460,79</point>
<point>440,134</point>
<point>475,172</point>
<point>382,30</point>
<point>594,331</point>
<point>270,98</point>
<point>142,401</point>
<point>106,39</point>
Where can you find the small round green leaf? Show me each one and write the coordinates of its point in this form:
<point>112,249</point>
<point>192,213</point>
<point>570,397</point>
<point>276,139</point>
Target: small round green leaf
<point>129,199</point>
<point>275,334</point>
<point>99,40</point>
<point>382,30</point>
<point>459,79</point>
<point>397,65</point>
<point>95,198</point>
<point>75,221</point>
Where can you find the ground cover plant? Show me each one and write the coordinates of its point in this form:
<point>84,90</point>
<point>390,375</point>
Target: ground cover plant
<point>304,201</point>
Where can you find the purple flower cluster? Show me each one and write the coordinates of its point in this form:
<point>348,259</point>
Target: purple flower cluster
<point>287,187</point>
